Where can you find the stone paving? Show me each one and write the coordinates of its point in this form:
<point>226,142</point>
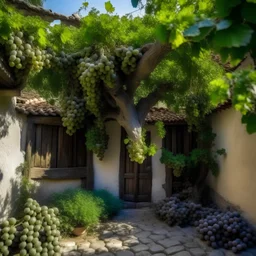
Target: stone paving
<point>137,232</point>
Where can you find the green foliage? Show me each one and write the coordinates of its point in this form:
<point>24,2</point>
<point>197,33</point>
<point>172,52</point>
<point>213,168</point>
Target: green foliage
<point>112,204</point>
<point>109,7</point>
<point>176,162</point>
<point>202,154</point>
<point>160,129</point>
<point>78,208</point>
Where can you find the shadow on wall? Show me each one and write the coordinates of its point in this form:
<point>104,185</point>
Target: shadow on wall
<point>21,188</point>
<point>7,114</point>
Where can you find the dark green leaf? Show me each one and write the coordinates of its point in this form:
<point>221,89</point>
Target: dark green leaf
<point>5,29</point>
<point>249,12</point>
<point>251,1</point>
<point>250,121</point>
<point>192,31</point>
<point>206,23</point>
<point>109,7</point>
<point>223,24</point>
<point>135,3</point>
<point>235,36</point>
<point>203,33</point>
<point>162,34</point>
<point>85,4</point>
<point>224,7</point>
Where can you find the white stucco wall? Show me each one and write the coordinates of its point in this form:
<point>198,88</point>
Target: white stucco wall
<point>236,182</point>
<point>11,153</point>
<point>45,188</point>
<point>106,172</point>
<point>158,169</point>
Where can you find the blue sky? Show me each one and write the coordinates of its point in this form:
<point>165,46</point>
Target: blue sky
<point>67,7</point>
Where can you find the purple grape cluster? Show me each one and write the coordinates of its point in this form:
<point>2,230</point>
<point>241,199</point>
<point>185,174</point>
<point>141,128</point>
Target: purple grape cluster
<point>227,230</point>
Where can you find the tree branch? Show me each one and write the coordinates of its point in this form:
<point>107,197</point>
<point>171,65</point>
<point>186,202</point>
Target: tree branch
<point>151,58</point>
<point>47,15</point>
<point>145,104</point>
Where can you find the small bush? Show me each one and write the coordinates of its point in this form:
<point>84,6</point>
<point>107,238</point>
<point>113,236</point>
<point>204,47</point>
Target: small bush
<point>112,204</point>
<point>78,208</point>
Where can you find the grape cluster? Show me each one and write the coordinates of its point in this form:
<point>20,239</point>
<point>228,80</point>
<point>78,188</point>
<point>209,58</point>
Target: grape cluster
<point>227,230</point>
<point>92,71</point>
<point>137,150</point>
<point>73,111</point>
<point>40,234</point>
<point>22,52</point>
<point>97,140</point>
<point>7,235</point>
<point>128,58</point>
<point>175,211</point>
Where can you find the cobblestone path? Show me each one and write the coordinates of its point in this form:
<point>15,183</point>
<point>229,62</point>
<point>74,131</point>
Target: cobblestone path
<point>137,232</point>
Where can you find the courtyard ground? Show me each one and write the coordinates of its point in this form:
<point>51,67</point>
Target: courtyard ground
<point>138,232</point>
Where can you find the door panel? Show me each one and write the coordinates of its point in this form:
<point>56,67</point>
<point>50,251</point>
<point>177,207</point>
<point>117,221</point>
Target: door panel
<point>135,179</point>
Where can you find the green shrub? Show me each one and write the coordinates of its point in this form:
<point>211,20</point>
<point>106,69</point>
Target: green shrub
<point>78,208</point>
<point>112,204</point>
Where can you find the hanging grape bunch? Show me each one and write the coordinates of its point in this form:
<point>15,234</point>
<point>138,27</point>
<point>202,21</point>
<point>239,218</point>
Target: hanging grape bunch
<point>137,150</point>
<point>73,112</point>
<point>7,235</point>
<point>97,140</point>
<point>227,230</point>
<point>128,58</point>
<point>22,52</point>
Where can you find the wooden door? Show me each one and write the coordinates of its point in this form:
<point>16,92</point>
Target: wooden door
<point>135,179</point>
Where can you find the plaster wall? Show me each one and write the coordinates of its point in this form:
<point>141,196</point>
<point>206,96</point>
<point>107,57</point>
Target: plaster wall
<point>45,188</point>
<point>236,181</point>
<point>106,172</point>
<point>12,146</point>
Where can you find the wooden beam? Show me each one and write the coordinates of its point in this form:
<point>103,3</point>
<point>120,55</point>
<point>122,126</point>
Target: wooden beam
<point>58,173</point>
<point>9,93</point>
<point>46,120</point>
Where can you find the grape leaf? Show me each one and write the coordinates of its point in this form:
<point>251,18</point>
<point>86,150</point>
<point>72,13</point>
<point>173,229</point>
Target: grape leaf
<point>85,4</point>
<point>249,12</point>
<point>203,33</point>
<point>192,31</point>
<point>250,121</point>
<point>42,37</point>
<point>223,24</point>
<point>219,91</point>
<point>135,3</point>
<point>251,1</point>
<point>109,7</point>
<point>176,38</point>
<point>65,35</point>
<point>162,33</point>
<point>5,29</point>
<point>235,36</point>
<point>206,23</point>
<point>224,7</point>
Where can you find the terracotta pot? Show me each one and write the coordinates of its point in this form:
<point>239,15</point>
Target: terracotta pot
<point>78,231</point>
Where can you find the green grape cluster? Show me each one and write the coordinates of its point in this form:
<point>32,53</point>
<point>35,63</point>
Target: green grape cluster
<point>137,150</point>
<point>7,235</point>
<point>92,71</point>
<point>22,52</point>
<point>97,139</point>
<point>129,58</point>
<point>73,111</point>
<point>40,234</point>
